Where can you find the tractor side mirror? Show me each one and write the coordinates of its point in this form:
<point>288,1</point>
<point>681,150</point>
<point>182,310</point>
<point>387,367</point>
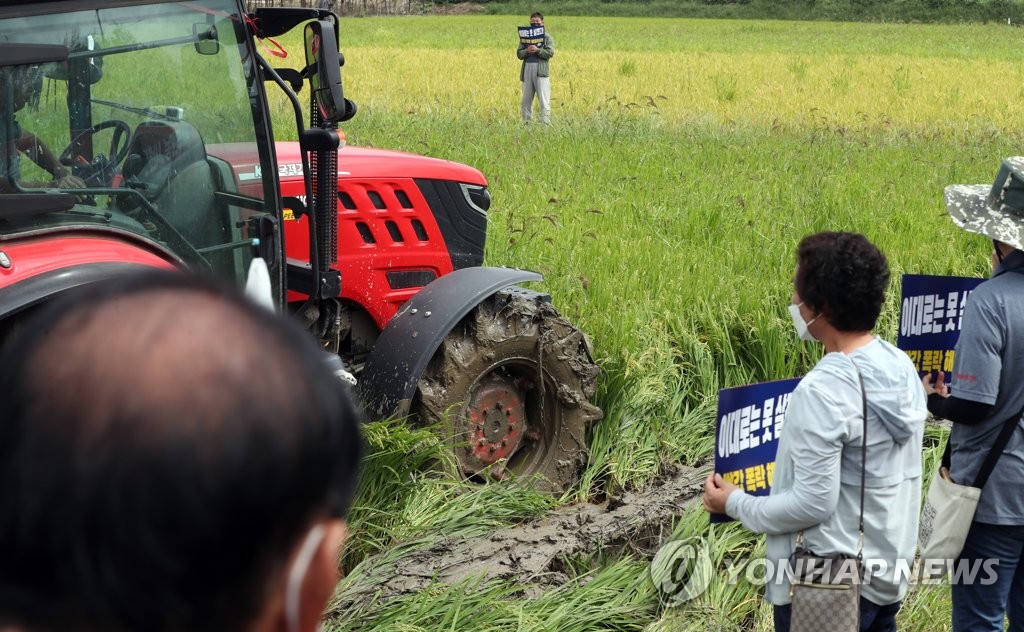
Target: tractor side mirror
<point>206,39</point>
<point>323,58</point>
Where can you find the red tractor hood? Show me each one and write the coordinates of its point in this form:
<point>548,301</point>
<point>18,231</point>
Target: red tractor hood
<point>37,255</point>
<point>366,162</point>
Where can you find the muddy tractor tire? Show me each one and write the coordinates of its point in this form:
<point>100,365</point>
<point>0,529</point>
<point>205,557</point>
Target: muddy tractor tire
<point>511,387</point>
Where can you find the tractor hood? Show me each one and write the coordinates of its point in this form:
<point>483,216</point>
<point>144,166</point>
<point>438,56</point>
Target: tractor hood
<point>366,162</point>
<point>37,267</point>
<point>35,255</point>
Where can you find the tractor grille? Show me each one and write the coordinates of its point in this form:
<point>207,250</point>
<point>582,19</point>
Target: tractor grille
<point>462,220</point>
<point>388,213</point>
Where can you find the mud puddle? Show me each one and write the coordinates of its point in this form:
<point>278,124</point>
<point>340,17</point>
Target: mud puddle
<point>532,553</point>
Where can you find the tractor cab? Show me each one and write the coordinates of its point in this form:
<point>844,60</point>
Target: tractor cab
<point>110,121</point>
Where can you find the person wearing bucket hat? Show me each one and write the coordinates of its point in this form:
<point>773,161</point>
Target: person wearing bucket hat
<point>985,391</point>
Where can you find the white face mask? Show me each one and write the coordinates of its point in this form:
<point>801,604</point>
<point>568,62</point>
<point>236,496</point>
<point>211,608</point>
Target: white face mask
<point>297,576</point>
<point>802,330</point>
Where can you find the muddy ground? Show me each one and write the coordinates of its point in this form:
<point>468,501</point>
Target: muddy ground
<point>533,553</point>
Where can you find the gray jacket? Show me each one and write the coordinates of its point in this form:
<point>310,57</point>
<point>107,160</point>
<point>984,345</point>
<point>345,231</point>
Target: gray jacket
<point>544,52</point>
<point>818,467</point>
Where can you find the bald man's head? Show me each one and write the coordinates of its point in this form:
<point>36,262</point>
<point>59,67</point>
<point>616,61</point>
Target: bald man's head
<point>163,444</point>
<point>168,362</point>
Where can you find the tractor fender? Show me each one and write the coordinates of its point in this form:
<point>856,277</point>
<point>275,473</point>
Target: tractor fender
<point>37,289</point>
<point>389,378</point>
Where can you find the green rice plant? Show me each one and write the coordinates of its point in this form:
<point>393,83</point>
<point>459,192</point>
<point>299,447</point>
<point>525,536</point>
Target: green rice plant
<point>399,467</point>
<point>900,80</point>
<point>725,87</point>
<point>470,604</point>
<point>617,597</point>
<point>926,609</point>
<point>731,599</point>
<point>799,69</point>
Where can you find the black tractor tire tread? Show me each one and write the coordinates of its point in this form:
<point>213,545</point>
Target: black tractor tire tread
<point>513,324</point>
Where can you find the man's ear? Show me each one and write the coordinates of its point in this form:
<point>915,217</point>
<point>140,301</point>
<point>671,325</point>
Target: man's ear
<point>323,575</point>
<point>316,584</point>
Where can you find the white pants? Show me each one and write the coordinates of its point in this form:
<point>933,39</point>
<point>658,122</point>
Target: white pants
<point>541,86</point>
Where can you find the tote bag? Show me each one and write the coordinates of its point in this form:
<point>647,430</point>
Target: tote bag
<point>945,520</point>
<point>949,509</point>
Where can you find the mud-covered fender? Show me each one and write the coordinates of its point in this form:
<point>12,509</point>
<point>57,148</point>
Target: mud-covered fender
<point>389,377</point>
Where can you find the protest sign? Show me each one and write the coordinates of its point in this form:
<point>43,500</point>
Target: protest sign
<point>531,35</point>
<point>750,421</point>
<point>931,312</point>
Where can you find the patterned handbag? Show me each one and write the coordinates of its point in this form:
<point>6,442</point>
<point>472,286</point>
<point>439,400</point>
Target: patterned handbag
<point>825,590</point>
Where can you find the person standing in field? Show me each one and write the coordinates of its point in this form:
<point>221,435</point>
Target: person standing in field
<point>986,395</point>
<point>838,291</point>
<point>535,73</point>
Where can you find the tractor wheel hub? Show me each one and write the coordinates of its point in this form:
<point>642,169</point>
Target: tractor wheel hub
<point>496,424</point>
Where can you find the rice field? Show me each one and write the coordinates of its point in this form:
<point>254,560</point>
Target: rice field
<point>684,162</point>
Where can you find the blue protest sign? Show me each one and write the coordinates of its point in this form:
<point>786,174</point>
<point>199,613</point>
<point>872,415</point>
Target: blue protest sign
<point>931,311</point>
<point>531,35</point>
<point>750,422</point>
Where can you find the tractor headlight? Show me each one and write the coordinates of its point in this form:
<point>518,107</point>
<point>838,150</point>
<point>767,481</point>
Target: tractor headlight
<point>478,197</point>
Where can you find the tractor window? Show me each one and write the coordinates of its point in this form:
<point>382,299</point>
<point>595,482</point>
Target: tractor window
<point>154,123</point>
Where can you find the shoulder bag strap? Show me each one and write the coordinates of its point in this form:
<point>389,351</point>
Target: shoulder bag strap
<point>997,449</point>
<point>989,464</point>
<point>863,470</point>
<point>863,462</point>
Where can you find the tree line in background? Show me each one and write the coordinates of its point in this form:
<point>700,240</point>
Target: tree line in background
<point>839,10</point>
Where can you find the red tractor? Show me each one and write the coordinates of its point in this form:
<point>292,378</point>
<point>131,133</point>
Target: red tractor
<point>433,333</point>
<point>170,162</point>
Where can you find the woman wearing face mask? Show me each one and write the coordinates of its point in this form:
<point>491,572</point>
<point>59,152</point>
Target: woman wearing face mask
<point>839,289</point>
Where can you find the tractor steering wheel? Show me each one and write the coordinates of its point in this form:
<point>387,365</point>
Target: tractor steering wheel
<point>100,172</point>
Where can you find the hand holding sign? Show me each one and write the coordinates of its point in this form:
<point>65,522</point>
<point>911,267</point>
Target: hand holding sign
<point>935,384</point>
<point>716,493</point>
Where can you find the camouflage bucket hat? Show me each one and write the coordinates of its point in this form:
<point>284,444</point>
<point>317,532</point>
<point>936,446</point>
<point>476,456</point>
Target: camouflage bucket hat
<point>996,211</point>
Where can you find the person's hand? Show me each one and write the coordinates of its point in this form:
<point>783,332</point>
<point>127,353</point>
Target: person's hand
<point>935,385</point>
<point>67,181</point>
<point>716,493</point>
<point>531,49</point>
<point>70,182</point>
